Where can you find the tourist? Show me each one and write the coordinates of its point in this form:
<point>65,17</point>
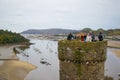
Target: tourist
<point>100,37</point>
<point>70,37</point>
<point>88,38</point>
<point>93,37</point>
<point>85,36</point>
<point>82,37</point>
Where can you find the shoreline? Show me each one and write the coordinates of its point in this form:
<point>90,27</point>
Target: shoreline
<point>113,44</point>
<point>21,43</point>
<point>7,51</point>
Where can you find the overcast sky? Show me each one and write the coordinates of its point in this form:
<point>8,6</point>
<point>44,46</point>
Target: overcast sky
<point>19,15</point>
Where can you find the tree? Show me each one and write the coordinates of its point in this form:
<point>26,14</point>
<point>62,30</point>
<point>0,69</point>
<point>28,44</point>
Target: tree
<point>9,37</point>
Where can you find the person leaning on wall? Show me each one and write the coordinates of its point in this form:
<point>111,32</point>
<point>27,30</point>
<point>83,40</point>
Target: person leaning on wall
<point>100,36</point>
<point>70,36</point>
<point>93,36</point>
<point>88,38</point>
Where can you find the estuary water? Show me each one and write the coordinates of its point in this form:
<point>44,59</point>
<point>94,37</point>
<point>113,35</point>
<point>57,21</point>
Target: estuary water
<point>40,62</point>
<point>44,55</point>
<point>112,63</point>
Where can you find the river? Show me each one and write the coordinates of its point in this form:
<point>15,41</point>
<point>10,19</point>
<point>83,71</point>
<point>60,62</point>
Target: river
<point>112,64</point>
<point>40,62</point>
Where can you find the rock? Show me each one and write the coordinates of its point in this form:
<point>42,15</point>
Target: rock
<point>87,62</point>
<point>44,62</point>
<point>68,61</point>
<point>119,74</point>
<point>68,49</point>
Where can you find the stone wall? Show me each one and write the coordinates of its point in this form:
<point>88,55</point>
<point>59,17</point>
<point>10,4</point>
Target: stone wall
<point>82,60</point>
<point>78,51</point>
<point>82,71</point>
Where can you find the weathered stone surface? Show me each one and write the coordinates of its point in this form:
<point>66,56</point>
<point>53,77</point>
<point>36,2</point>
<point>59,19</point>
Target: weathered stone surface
<point>76,50</point>
<point>82,60</point>
<point>75,71</point>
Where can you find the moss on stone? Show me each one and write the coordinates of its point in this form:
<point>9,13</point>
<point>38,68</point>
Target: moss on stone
<point>76,56</point>
<point>76,50</point>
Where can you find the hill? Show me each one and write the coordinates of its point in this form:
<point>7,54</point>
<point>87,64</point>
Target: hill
<point>109,32</point>
<point>49,31</point>
<point>10,37</point>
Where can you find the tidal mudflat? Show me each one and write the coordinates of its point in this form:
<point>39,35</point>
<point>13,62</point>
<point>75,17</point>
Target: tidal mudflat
<point>40,62</point>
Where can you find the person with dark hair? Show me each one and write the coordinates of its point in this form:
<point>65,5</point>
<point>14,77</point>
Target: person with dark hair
<point>70,36</point>
<point>82,37</point>
<point>85,36</point>
<point>93,37</point>
<point>88,38</point>
<point>100,37</point>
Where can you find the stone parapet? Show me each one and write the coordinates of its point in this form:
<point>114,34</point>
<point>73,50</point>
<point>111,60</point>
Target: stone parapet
<point>77,51</point>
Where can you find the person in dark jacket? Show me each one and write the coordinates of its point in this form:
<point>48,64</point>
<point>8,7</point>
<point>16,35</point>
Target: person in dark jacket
<point>85,36</point>
<point>100,37</point>
<point>70,36</point>
<point>93,37</point>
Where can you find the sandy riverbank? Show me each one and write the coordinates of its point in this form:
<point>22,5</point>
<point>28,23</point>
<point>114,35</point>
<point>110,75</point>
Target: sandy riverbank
<point>116,52</point>
<point>6,52</point>
<point>15,70</point>
<point>10,66</point>
<point>114,44</point>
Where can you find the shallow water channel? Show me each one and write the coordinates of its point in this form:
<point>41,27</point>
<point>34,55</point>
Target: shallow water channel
<point>40,62</point>
<point>44,55</point>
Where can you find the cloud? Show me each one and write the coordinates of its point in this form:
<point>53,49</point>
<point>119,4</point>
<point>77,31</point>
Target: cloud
<point>73,14</point>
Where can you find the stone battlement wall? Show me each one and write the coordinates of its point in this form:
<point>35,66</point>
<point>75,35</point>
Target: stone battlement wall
<point>82,60</point>
<point>78,51</point>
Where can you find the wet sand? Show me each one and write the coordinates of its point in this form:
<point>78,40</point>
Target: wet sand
<point>14,70</point>
<point>7,53</point>
<point>114,44</point>
<point>29,67</point>
<point>116,52</point>
<point>10,66</point>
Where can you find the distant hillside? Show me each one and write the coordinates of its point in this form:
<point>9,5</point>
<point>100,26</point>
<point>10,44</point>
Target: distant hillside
<point>109,32</point>
<point>49,31</point>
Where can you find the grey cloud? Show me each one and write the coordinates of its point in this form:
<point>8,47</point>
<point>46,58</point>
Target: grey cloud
<point>60,13</point>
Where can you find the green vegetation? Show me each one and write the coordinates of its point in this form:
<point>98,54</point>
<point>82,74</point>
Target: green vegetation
<point>10,37</point>
<point>76,50</point>
<point>78,60</point>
